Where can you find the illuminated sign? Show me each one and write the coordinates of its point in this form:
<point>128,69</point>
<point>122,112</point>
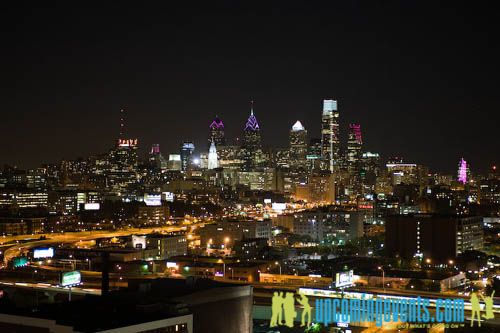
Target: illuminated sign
<point>69,279</point>
<point>152,199</point>
<point>127,142</point>
<point>92,206</point>
<point>43,253</point>
<point>139,242</point>
<point>278,206</point>
<point>19,261</point>
<point>172,264</point>
<point>267,201</point>
<point>344,279</point>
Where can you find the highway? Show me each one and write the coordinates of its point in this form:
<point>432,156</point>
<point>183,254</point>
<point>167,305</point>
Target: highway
<point>48,287</point>
<point>18,249</point>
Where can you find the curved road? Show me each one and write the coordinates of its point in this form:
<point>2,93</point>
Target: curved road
<point>73,237</point>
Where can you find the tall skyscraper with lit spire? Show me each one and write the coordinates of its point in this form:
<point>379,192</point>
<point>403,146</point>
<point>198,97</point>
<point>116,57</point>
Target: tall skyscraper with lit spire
<point>123,160</point>
<point>298,146</point>
<point>216,134</point>
<point>330,143</point>
<point>252,145</point>
<point>213,161</point>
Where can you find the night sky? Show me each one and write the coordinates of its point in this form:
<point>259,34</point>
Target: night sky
<point>420,77</point>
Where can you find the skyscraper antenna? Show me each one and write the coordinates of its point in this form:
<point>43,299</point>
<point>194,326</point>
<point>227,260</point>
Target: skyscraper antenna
<point>251,107</point>
<point>122,122</point>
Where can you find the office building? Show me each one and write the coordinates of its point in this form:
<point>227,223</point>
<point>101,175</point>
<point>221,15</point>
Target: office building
<point>463,171</point>
<point>330,135</point>
<point>216,134</point>
<point>224,234</point>
<point>298,147</point>
<point>167,245</point>
<point>187,150</point>
<point>123,161</point>
<point>436,237</point>
<point>354,146</point>
<point>252,154</point>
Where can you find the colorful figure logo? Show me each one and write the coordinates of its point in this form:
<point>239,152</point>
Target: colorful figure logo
<point>488,306</point>
<point>476,308</point>
<point>283,307</point>
<point>304,301</point>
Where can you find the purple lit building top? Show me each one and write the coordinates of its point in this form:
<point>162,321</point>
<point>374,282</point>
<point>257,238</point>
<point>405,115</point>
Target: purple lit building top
<point>462,171</point>
<point>252,124</point>
<point>217,123</point>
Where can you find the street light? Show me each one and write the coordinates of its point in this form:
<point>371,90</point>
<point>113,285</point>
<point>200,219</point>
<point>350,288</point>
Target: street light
<point>383,276</point>
<point>223,267</point>
<point>277,263</point>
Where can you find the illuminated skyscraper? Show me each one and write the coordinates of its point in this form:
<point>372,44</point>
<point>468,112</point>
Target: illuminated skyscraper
<point>187,150</point>
<point>156,158</point>
<point>298,146</point>
<point>330,143</point>
<point>252,145</point>
<point>354,145</point>
<point>314,153</point>
<point>216,134</point>
<point>463,171</point>
<point>123,160</point>
<point>213,162</point>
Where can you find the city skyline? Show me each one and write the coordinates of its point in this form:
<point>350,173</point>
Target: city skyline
<point>236,138</point>
<point>234,166</point>
<point>412,90</point>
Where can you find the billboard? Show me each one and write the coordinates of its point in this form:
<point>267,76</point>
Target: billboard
<point>278,206</point>
<point>92,206</point>
<point>46,252</point>
<point>344,279</point>
<point>19,261</point>
<point>69,279</point>
<point>152,199</point>
<point>172,264</point>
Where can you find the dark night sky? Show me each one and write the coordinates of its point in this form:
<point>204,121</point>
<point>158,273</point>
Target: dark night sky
<point>420,77</point>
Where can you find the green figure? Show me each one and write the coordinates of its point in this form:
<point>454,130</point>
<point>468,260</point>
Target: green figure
<point>276,309</point>
<point>289,307</point>
<point>488,306</point>
<point>304,301</point>
<point>476,309</point>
